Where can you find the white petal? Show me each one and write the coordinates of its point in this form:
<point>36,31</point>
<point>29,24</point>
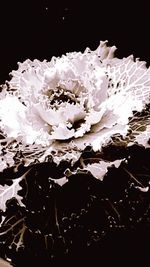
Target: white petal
<point>61,132</point>
<point>65,113</point>
<point>92,118</point>
<point>12,115</point>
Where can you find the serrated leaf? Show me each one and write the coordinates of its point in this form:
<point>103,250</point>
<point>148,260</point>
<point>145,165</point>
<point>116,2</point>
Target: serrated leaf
<point>60,181</point>
<point>7,192</point>
<point>98,170</point>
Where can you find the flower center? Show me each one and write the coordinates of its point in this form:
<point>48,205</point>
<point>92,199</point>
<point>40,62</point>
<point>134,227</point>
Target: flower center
<point>59,96</point>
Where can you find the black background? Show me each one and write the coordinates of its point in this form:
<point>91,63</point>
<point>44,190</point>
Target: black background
<point>44,28</point>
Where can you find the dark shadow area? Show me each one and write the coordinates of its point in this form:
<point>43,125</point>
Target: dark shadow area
<point>42,29</point>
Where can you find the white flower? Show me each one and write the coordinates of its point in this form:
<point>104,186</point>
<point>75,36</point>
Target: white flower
<point>70,102</point>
